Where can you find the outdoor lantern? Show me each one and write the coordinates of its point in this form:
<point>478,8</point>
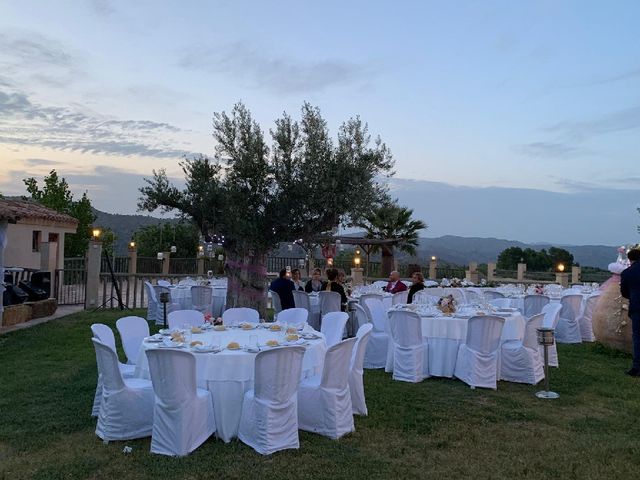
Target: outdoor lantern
<point>164,299</point>
<point>546,339</point>
<point>96,233</point>
<point>160,256</point>
<point>356,261</point>
<point>132,244</point>
<point>220,257</point>
<point>433,258</point>
<point>357,251</point>
<point>561,267</point>
<point>200,251</point>
<point>174,249</point>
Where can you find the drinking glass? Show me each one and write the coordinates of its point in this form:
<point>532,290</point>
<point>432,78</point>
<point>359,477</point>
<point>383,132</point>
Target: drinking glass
<point>253,341</point>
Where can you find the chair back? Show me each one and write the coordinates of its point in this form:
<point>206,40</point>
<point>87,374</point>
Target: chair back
<point>405,328</point>
<point>295,316</point>
<point>301,299</point>
<point>590,306</point>
<point>158,289</point>
<point>173,374</point>
<point>471,297</point>
<point>400,297</point>
<point>332,327</point>
<point>360,348</point>
<point>278,373</point>
<point>151,293</point>
<point>372,304</point>
<point>551,315</point>
<point>380,284</point>
<point>238,315</point>
<point>104,333</point>
<point>275,302</point>
<point>570,306</point>
<point>335,372</point>
<point>533,304</point>
<point>361,316</point>
<point>501,302</point>
<point>457,295</point>
<point>329,302</point>
<point>201,298</point>
<point>108,366</point>
<point>484,332</point>
<point>178,318</point>
<point>492,295</point>
<point>132,332</point>
<point>423,297</point>
<point>164,283</point>
<point>531,331</point>
<point>435,291</point>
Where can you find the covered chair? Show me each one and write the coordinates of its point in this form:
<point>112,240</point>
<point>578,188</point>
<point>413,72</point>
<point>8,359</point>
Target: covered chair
<point>329,302</point>
<point>238,315</point>
<point>551,318</point>
<point>376,354</point>
<point>183,414</point>
<point>126,407</point>
<point>201,298</point>
<point>520,361</point>
<point>301,300</point>
<point>533,304</point>
<point>585,319</point>
<point>361,316</point>
<point>171,306</point>
<point>324,402</point>
<point>400,297</point>
<point>477,362</point>
<point>333,327</point>
<point>410,349</point>
<point>294,316</point>
<point>491,295</point>
<point>133,330</point>
<point>501,302</point>
<point>178,318</point>
<point>152,302</point>
<point>380,284</point>
<point>269,421</point>
<point>275,302</point>
<point>356,385</point>
<point>568,329</point>
<point>105,335</point>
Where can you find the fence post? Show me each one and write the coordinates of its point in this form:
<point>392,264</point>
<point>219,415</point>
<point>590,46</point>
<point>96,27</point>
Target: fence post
<point>562,278</point>
<point>94,257</point>
<point>491,271</point>
<point>133,265</point>
<point>522,267</point>
<point>48,261</point>
<point>200,264</point>
<point>166,259</point>
<point>433,266</point>
<point>357,276</point>
<point>575,274</point>
<point>471,275</point>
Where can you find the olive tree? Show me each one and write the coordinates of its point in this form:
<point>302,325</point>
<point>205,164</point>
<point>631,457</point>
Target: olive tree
<point>256,196</point>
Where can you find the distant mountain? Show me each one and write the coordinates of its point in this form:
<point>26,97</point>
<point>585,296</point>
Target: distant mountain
<point>449,248</point>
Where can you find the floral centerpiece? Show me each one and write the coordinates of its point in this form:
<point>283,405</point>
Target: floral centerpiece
<point>447,304</point>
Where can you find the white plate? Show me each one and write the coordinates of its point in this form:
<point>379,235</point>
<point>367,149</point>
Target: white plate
<point>253,326</point>
<point>300,341</point>
<point>154,338</point>
<point>251,349</point>
<point>310,336</point>
<point>171,345</point>
<point>205,349</point>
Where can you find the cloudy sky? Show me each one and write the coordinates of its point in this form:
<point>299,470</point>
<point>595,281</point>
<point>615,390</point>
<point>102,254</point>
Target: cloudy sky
<point>517,120</point>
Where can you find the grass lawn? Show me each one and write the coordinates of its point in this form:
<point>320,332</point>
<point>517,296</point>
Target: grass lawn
<point>436,429</point>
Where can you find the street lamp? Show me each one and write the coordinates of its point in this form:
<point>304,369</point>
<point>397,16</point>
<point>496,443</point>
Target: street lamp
<point>96,233</point>
<point>560,267</point>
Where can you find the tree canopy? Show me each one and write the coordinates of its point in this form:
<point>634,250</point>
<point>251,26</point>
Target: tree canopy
<point>55,194</point>
<point>160,238</point>
<point>536,260</point>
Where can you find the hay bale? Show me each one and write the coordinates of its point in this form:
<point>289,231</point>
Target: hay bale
<point>43,308</point>
<point>14,314</point>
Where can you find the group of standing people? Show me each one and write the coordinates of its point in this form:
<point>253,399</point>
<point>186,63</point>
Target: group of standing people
<point>284,286</point>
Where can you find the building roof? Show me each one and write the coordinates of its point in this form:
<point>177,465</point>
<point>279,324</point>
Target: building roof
<point>12,210</point>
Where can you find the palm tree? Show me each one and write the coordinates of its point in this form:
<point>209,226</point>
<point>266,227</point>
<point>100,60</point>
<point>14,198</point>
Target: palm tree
<point>391,221</point>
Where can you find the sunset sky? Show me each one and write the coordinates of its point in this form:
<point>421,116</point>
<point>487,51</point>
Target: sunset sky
<point>507,119</point>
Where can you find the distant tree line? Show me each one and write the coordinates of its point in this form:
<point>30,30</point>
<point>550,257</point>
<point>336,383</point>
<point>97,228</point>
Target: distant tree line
<point>536,260</point>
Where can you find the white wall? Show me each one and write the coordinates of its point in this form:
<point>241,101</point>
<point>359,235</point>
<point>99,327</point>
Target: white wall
<point>19,253</point>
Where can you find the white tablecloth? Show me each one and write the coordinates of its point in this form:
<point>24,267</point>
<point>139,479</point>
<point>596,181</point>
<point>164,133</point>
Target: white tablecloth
<point>229,374</point>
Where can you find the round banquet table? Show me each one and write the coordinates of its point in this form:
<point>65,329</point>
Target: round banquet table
<point>445,335</point>
<point>229,373</point>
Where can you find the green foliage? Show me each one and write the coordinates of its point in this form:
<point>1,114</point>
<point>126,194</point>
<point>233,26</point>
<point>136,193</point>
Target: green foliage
<point>537,261</point>
<point>55,194</point>
<point>159,238</point>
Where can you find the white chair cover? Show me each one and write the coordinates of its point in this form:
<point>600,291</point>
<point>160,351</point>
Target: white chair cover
<point>171,306</point>
<point>380,284</point>
<point>269,421</point>
<point>410,350</point>
<point>423,297</point>
<point>275,302</point>
<point>361,316</point>
<point>183,414</point>
<point>301,300</point>
<point>201,298</point>
<point>471,297</point>
<point>324,403</point>
<point>585,319</point>
<point>434,291</point>
<point>164,283</point>
<point>238,315</point>
<point>551,318</point>
<point>133,331</point>
<point>533,304</point>
<point>105,335</point>
<point>501,302</point>
<point>457,295</point>
<point>568,329</point>
<point>491,295</point>
<point>400,297</point>
<point>376,354</point>
<point>152,302</point>
<point>333,327</point>
<point>294,316</point>
<point>520,360</point>
<point>126,407</point>
<point>356,385</point>
<point>477,362</point>
<point>179,318</point>
<point>329,302</point>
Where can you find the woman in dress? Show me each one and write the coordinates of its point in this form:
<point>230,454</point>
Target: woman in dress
<point>333,285</point>
<point>315,282</point>
<point>418,284</point>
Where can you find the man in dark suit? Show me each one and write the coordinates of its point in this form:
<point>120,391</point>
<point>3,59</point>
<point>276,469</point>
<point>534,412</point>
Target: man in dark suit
<point>630,288</point>
<point>284,288</point>
<point>395,285</point>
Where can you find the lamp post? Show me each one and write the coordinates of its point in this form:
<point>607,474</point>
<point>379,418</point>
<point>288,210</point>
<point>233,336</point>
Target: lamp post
<point>546,339</point>
<point>561,277</point>
<point>164,299</point>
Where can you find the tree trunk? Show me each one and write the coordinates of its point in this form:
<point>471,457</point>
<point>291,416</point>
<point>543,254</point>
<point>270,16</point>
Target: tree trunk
<point>247,281</point>
<point>388,261</point>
